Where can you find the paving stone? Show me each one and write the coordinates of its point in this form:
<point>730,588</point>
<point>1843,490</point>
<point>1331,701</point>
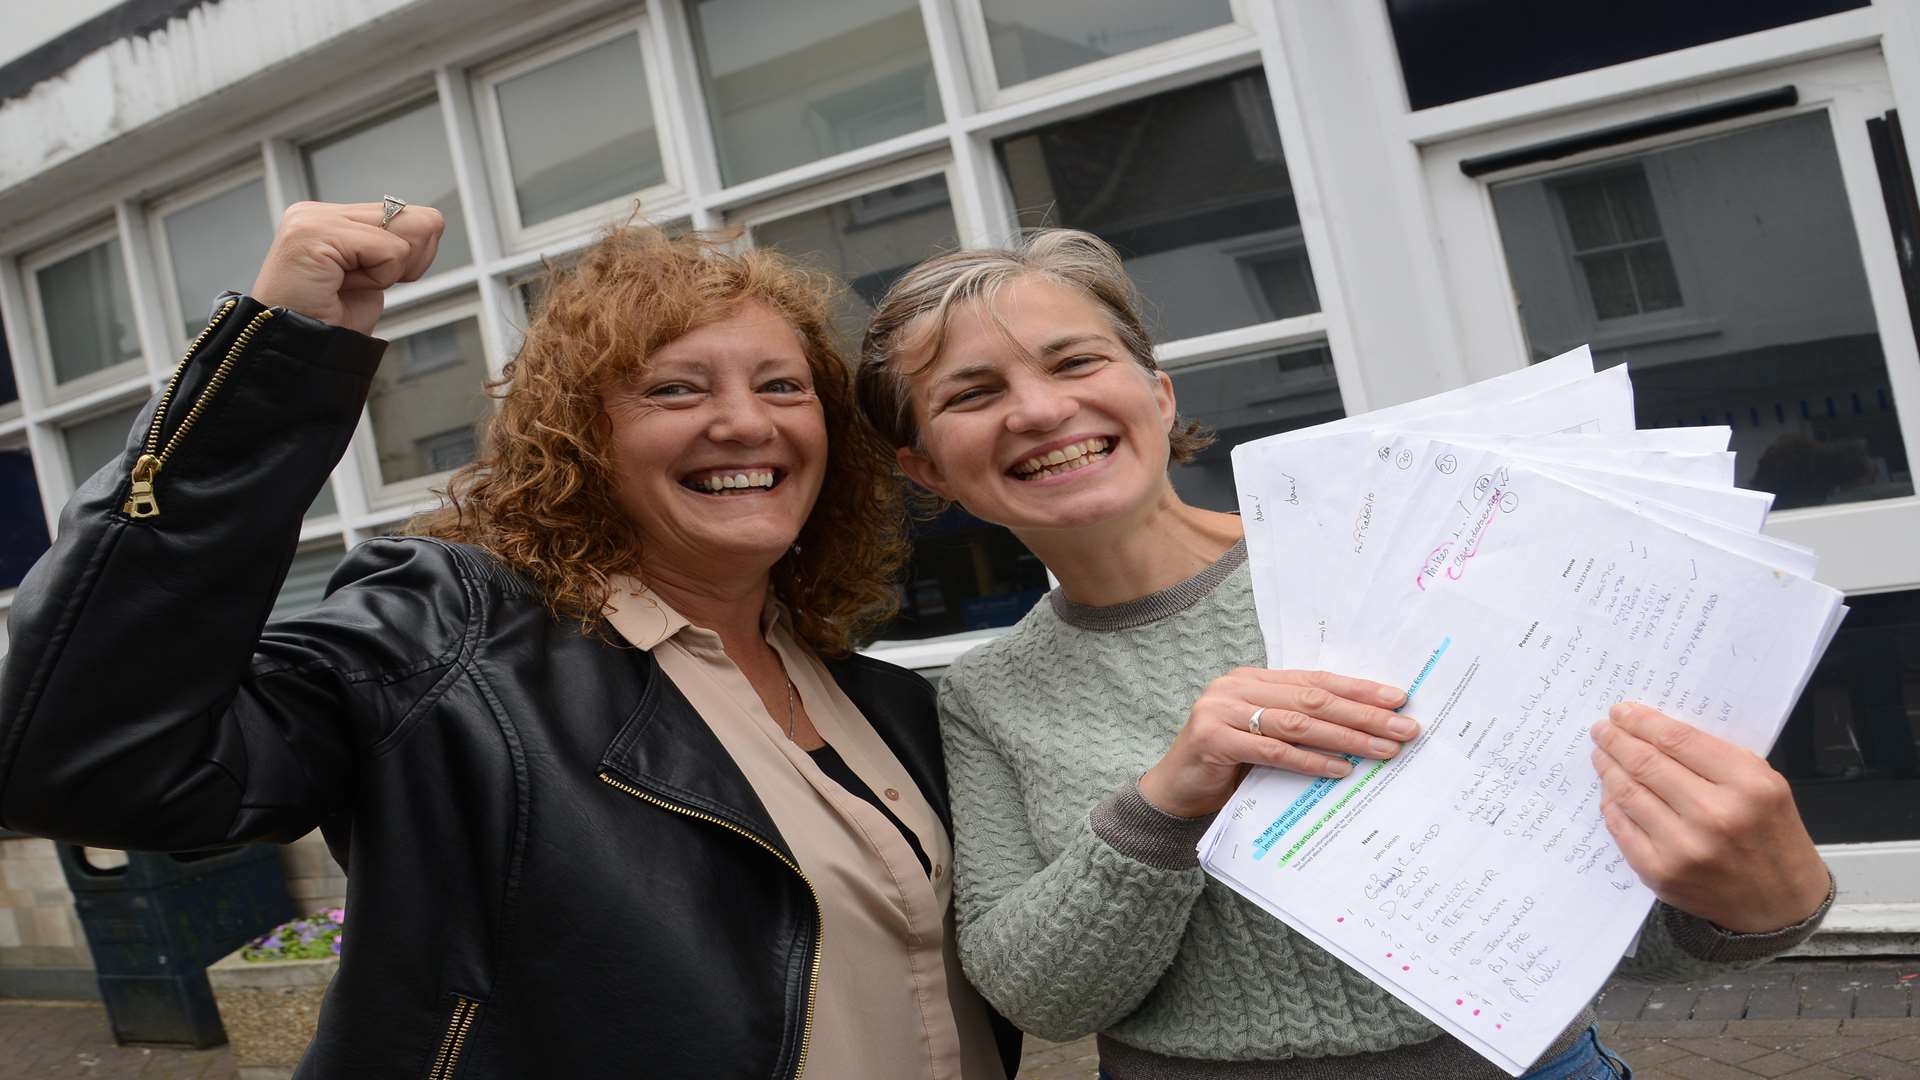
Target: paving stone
<point>1880,1026</point>
<point>1720,1003</point>
<point>1755,1031</point>
<point>1670,1003</point>
<point>1822,1002</point>
<point>1819,1072</point>
<point>1729,1051</point>
<point>1699,1068</point>
<point>1873,1066</point>
<point>1773,1003</point>
<point>1905,1048</point>
<point>1652,1053</point>
<point>1622,1001</point>
<point>1668,1029</point>
<point>1775,1064</point>
<point>1823,1047</point>
<point>1882,1001</point>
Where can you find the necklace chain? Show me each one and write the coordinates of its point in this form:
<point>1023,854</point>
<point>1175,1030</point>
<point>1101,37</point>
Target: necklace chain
<point>789,680</point>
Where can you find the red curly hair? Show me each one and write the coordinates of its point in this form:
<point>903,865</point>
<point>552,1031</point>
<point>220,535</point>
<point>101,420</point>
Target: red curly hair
<point>541,495</point>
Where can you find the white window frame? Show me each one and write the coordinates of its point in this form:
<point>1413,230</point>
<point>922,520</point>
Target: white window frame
<point>1848,88</point>
<point>864,183</point>
<point>157,212</point>
<point>978,44</point>
<point>381,496</point>
<point>664,199</point>
<point>30,267</point>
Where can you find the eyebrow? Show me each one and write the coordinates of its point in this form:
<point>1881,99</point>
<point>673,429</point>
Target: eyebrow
<point>1068,342</point>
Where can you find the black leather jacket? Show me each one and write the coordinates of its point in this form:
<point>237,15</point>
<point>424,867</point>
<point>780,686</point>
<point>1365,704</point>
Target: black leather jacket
<point>555,868</point>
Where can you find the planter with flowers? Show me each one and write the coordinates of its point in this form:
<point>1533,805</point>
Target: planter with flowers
<point>269,992</point>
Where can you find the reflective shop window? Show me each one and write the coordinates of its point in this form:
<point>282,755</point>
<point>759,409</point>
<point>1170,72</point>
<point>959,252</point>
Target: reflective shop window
<point>23,521</point>
<point>428,406</point>
<point>1243,398</point>
<point>1726,273</point>
<point>93,443</point>
<point>964,574</point>
<point>867,241</point>
<point>579,130</point>
<point>1851,746</point>
<point>791,83</point>
<point>1191,188</point>
<point>216,245</point>
<point>1033,38</point>
<point>403,154</point>
<point>87,311</point>
<point>306,583</point>
<point>1455,49</point>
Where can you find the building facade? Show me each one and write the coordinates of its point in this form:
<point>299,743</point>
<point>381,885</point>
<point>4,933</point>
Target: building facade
<point>1332,206</point>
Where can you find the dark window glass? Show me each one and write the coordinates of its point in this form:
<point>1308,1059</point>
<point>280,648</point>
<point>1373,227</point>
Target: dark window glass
<point>1455,49</point>
<point>1852,745</point>
<point>964,574</point>
<point>1191,188</point>
<point>1726,273</point>
<point>1249,397</point>
<point>23,523</point>
<point>9,393</point>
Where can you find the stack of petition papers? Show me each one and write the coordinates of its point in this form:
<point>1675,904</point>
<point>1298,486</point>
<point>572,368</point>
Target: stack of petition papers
<point>1520,558</point>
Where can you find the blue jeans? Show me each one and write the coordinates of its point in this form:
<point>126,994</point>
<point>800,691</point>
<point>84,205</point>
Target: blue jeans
<point>1584,1060</point>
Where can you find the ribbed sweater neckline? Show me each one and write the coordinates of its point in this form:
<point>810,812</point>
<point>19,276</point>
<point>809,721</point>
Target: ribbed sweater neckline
<point>1154,606</point>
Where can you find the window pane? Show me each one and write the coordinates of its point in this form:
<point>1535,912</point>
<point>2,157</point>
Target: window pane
<point>1249,397</point>
<point>23,522</point>
<point>1032,38</point>
<point>88,312</point>
<point>404,155</point>
<point>323,503</point>
<point>791,83</point>
<point>428,405</point>
<point>93,443</point>
<point>1851,746</point>
<point>1610,285</point>
<point>1191,188</point>
<point>9,391</point>
<point>580,131</point>
<point>214,246</point>
<point>1755,310</point>
<point>1454,49</point>
<point>306,583</point>
<point>964,574</point>
<point>867,241</point>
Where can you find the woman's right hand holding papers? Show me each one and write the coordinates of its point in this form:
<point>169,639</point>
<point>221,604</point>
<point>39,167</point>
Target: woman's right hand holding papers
<point>1709,827</point>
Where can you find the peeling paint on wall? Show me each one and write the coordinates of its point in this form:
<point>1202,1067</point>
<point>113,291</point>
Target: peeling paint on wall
<point>134,82</point>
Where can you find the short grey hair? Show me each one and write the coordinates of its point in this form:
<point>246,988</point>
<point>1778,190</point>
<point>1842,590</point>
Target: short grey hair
<point>916,311</point>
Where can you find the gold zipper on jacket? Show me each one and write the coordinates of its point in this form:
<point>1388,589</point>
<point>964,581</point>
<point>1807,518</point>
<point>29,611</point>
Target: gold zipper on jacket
<point>448,1059</point>
<point>820,915</point>
<point>141,502</point>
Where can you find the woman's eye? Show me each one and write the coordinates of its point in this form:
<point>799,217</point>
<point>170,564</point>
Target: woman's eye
<point>670,390</point>
<point>971,393</point>
<point>1073,362</point>
<point>784,386</point>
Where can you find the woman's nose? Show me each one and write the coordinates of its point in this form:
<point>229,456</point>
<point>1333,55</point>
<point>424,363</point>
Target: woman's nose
<point>742,419</point>
<point>1039,405</point>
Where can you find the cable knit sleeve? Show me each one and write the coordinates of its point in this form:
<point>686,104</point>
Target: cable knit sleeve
<point>1066,947</point>
<point>1675,945</point>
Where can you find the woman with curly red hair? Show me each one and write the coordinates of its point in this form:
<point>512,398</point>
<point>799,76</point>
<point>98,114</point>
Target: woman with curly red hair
<point>615,797</point>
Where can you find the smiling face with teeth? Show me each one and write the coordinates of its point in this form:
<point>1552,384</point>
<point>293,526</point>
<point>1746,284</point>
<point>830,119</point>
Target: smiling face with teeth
<point>719,446</point>
<point>1043,420</point>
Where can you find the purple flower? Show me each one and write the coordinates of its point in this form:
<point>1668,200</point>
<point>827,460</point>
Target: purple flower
<point>338,915</point>
<point>272,942</point>
<point>336,946</point>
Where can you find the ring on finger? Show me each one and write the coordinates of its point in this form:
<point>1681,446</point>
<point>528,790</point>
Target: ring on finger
<point>1253,722</point>
<point>390,208</point>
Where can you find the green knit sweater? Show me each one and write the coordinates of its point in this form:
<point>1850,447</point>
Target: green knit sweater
<point>1082,908</point>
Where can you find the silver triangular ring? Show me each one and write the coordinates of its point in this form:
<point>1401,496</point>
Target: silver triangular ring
<point>390,208</point>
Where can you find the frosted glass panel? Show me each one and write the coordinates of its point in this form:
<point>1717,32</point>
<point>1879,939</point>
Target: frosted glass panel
<point>403,155</point>
<point>214,246</point>
<point>580,131</point>
<point>88,312</point>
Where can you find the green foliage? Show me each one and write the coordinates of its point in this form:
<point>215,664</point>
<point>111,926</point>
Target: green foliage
<point>314,937</point>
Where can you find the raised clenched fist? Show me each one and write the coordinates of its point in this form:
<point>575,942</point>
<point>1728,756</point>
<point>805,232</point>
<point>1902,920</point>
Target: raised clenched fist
<point>334,262</point>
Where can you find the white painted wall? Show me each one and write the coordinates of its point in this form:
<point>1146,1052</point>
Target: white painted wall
<point>31,24</point>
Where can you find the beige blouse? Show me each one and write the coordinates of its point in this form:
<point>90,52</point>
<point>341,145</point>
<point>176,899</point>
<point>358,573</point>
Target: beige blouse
<point>892,1001</point>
